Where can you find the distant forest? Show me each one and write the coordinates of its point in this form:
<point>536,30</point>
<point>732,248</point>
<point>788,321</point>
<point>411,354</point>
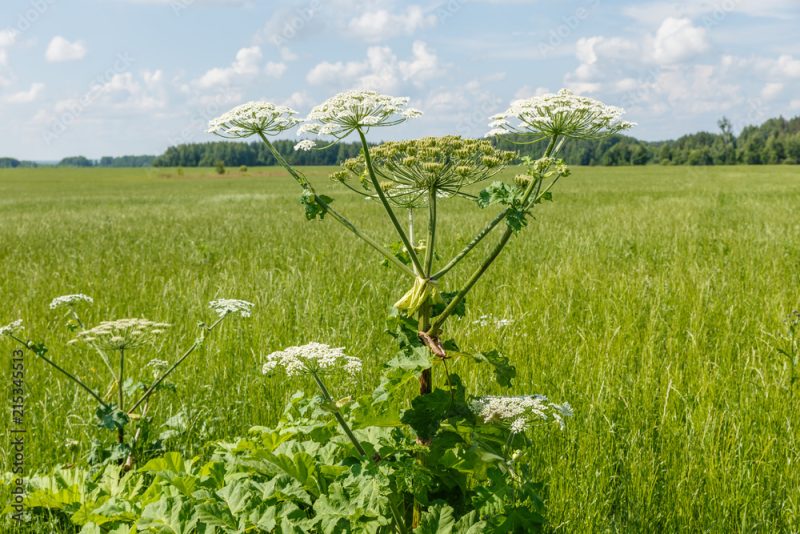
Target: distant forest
<point>777,141</point>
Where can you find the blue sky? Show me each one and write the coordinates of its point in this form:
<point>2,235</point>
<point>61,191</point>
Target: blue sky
<point>117,77</point>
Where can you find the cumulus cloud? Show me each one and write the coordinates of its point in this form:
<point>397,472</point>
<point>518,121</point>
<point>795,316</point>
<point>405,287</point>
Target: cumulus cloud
<point>771,90</point>
<point>246,65</point>
<point>60,49</point>
<point>381,24</point>
<point>26,97</point>
<point>678,40</point>
<point>380,70</point>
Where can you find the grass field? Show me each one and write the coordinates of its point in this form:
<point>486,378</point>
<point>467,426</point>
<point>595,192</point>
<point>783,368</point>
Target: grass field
<point>641,295</point>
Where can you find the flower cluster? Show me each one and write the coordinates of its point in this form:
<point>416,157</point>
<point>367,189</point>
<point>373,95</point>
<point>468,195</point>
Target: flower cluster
<point>157,366</point>
<point>224,307</point>
<point>11,328</point>
<point>562,114</point>
<point>122,334</point>
<point>69,300</point>
<point>254,118</point>
<point>343,113</point>
<point>519,412</point>
<point>410,171</point>
<point>311,358</point>
<point>305,145</point>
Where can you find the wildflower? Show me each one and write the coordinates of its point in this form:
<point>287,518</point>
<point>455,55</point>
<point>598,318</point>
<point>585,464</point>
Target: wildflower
<point>562,114</point>
<point>11,328</point>
<point>122,334</point>
<point>157,366</point>
<point>311,358</point>
<point>519,412</point>
<point>69,300</point>
<point>305,145</point>
<point>225,307</point>
<point>343,113</point>
<point>254,118</point>
<point>442,166</point>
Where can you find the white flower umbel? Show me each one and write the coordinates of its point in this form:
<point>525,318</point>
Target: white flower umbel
<point>70,300</point>
<point>157,366</point>
<point>342,114</point>
<point>519,412</point>
<point>486,320</point>
<point>224,307</point>
<point>316,358</point>
<point>11,328</point>
<point>562,114</point>
<point>254,118</point>
<point>305,145</point>
<point>122,334</point>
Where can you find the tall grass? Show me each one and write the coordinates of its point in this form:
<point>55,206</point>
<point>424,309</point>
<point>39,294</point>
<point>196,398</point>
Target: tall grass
<point>645,299</point>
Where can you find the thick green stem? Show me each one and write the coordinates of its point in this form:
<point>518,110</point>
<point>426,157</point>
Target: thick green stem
<point>69,375</point>
<point>169,371</point>
<point>479,272</point>
<point>431,244</point>
<point>338,416</point>
<point>306,185</point>
<point>389,211</point>
<point>121,396</point>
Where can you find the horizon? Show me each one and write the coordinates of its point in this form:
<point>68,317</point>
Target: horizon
<point>71,85</point>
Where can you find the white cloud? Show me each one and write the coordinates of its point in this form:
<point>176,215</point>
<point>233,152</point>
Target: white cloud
<point>795,104</point>
<point>771,90</point>
<point>382,24</point>
<point>380,70</point>
<point>678,40</point>
<point>526,91</point>
<point>709,13</point>
<point>788,66</point>
<point>7,38</point>
<point>61,49</point>
<point>246,64</point>
<point>26,97</point>
<point>299,100</point>
<point>275,70</point>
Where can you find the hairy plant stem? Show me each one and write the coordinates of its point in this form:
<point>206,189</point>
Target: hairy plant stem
<point>120,380</point>
<point>191,349</point>
<point>481,270</point>
<point>69,375</point>
<point>306,185</point>
<point>389,211</point>
<point>337,414</point>
<point>430,245</point>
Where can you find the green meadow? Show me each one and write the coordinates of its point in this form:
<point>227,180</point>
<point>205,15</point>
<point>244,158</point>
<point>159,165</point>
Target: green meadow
<point>646,297</point>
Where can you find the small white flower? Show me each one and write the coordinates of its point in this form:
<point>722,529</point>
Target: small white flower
<point>343,113</point>
<point>305,145</point>
<point>311,358</point>
<point>562,114</point>
<point>69,300</point>
<point>157,366</point>
<point>225,307</point>
<point>519,412</point>
<point>122,334</point>
<point>254,118</point>
<point>11,328</point>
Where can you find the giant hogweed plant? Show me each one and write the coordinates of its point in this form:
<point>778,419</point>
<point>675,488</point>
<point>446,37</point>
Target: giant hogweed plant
<point>444,461</point>
<point>128,398</point>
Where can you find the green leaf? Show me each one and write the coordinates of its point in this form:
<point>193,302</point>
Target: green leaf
<point>427,413</point>
<point>110,418</point>
<point>313,208</point>
<point>437,519</point>
<point>447,298</point>
<point>504,372</point>
<point>173,515</point>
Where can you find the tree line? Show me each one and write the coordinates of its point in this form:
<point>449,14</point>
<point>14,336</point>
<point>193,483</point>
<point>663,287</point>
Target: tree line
<point>776,141</point>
